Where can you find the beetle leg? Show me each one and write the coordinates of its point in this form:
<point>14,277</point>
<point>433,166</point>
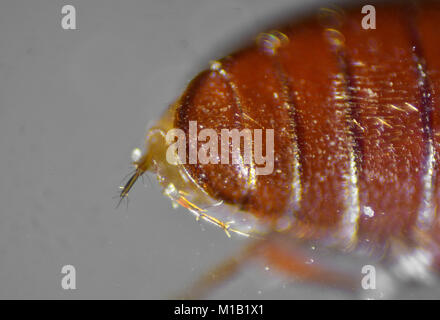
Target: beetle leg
<point>290,262</point>
<point>221,273</point>
<point>294,264</point>
<point>201,214</point>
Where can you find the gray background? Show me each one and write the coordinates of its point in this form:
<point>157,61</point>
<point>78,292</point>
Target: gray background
<point>73,104</point>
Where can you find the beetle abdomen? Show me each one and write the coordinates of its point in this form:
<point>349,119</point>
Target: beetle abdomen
<point>355,115</point>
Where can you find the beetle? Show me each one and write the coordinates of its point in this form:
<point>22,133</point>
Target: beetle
<point>356,140</point>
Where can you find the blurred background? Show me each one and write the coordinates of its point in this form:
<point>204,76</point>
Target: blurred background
<point>73,104</point>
